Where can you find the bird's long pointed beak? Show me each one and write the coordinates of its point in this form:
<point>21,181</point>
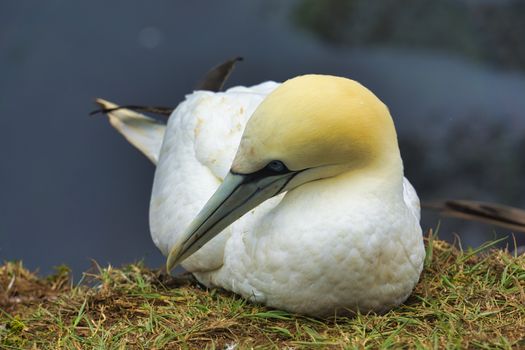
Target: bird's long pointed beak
<point>234,197</point>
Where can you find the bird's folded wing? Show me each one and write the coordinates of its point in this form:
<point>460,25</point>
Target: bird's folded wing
<point>143,132</point>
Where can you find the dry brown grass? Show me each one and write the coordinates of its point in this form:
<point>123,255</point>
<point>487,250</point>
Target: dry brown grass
<point>464,300</point>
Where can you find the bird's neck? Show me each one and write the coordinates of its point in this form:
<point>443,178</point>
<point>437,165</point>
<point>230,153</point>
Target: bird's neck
<point>382,181</point>
<point>385,175</point>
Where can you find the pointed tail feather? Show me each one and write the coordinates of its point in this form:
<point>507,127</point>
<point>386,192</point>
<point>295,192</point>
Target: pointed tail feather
<point>143,132</point>
<point>490,213</point>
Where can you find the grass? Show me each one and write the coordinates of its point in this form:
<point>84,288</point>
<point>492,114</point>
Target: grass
<point>465,299</point>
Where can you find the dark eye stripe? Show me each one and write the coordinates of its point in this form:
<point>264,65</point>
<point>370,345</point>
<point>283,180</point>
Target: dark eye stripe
<point>273,168</point>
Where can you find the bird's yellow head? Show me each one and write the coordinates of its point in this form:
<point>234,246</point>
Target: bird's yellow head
<point>317,120</point>
<point>311,127</point>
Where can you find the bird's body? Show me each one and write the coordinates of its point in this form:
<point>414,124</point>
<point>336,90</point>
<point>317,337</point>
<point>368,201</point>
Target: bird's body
<point>329,244</point>
<point>340,232</point>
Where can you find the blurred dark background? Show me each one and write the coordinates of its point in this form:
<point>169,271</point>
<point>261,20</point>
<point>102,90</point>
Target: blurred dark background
<point>72,189</point>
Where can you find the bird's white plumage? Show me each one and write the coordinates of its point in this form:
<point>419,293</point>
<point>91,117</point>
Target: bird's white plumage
<point>202,136</point>
<point>326,245</point>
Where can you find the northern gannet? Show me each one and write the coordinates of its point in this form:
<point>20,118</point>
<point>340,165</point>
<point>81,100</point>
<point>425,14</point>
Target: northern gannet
<point>291,195</point>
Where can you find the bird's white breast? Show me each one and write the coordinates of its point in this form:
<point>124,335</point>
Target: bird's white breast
<point>327,247</point>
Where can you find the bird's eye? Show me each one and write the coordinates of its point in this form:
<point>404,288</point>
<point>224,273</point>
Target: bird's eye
<point>276,166</point>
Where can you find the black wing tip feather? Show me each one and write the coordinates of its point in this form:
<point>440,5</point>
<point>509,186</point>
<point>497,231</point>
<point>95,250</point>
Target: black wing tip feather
<point>166,111</point>
<point>491,213</point>
<point>215,79</point>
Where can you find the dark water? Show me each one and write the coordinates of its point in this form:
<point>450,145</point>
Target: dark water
<point>72,189</point>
